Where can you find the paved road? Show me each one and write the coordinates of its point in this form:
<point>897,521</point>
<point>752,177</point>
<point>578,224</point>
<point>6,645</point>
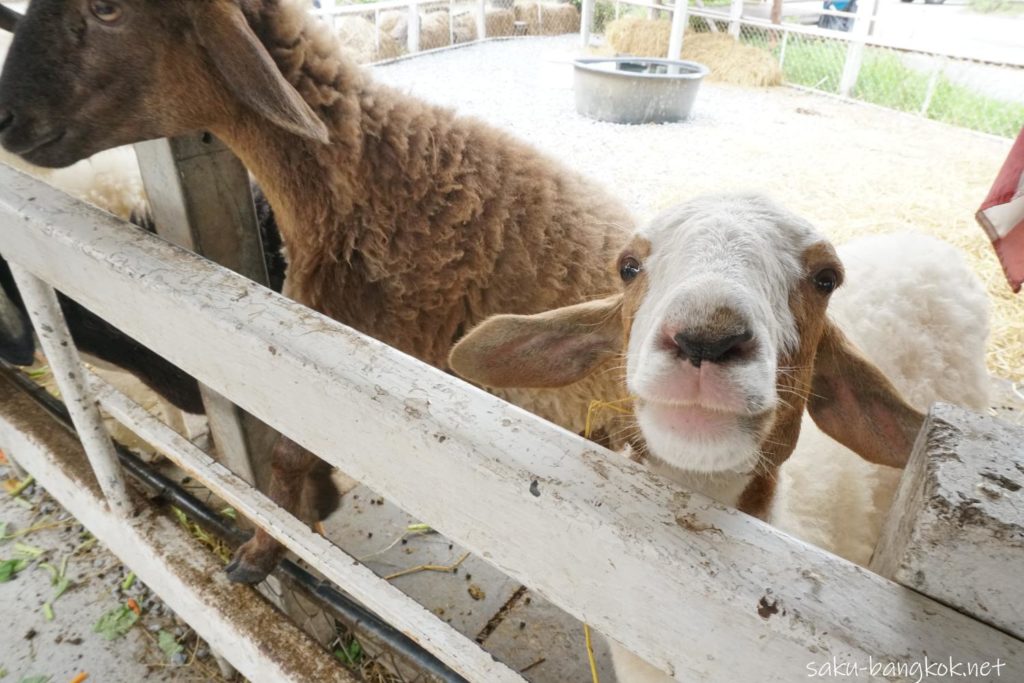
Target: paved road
<point>953,27</point>
<point>950,27</point>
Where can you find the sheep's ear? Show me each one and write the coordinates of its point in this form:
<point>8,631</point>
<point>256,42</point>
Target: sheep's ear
<point>8,19</point>
<point>549,349</point>
<point>854,403</point>
<point>249,71</point>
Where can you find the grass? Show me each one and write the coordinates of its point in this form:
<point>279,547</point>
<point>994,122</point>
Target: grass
<point>997,6</point>
<point>885,80</point>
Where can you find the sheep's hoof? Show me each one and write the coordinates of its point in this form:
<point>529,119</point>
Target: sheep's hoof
<point>250,567</point>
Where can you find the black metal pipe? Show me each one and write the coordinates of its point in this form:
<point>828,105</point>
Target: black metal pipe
<point>324,593</point>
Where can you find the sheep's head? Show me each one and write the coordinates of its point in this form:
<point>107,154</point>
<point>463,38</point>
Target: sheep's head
<point>87,75</point>
<point>722,322</point>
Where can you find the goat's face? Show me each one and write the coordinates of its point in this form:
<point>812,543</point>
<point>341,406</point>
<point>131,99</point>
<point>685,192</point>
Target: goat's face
<point>87,75</point>
<point>722,322</point>
<point>733,300</point>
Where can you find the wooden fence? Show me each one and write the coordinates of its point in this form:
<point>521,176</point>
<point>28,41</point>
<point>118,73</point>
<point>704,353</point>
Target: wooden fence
<point>673,576</point>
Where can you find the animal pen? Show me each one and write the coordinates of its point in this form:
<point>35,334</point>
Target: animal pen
<point>702,591</point>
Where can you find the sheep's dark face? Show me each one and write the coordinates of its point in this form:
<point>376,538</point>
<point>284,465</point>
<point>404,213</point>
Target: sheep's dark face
<point>87,75</point>
<point>84,75</point>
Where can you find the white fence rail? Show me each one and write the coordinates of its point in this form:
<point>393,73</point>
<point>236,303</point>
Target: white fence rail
<point>680,580</point>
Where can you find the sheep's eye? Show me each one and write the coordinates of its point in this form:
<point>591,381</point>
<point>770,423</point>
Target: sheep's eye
<point>826,280</point>
<point>629,268</point>
<point>107,12</point>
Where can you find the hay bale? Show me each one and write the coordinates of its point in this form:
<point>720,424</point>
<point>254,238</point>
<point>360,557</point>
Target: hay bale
<point>548,20</point>
<point>558,19</point>
<point>464,28</point>
<point>730,61</point>
<point>395,23</point>
<point>500,22</point>
<point>359,37</point>
<point>529,14</point>
<point>435,31</point>
<point>639,37</point>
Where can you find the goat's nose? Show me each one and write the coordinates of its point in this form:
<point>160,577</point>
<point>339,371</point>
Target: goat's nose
<point>6,118</point>
<point>698,347</point>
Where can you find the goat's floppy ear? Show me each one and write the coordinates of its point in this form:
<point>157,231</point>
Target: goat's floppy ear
<point>854,403</point>
<point>8,19</point>
<point>249,71</point>
<point>550,349</point>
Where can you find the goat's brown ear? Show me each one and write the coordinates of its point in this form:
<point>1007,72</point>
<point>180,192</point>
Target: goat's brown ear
<point>854,403</point>
<point>250,73</point>
<point>550,349</point>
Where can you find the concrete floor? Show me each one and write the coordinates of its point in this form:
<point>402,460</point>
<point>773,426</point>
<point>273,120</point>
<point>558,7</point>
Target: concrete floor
<point>32,645</point>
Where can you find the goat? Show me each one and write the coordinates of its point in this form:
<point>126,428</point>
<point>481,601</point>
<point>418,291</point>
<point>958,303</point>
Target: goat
<point>400,218</point>
<point>723,327</point>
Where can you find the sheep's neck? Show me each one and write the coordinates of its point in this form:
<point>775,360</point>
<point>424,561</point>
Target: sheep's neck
<point>314,189</point>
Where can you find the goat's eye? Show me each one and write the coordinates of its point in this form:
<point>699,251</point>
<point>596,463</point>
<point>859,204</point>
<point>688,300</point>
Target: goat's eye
<point>826,280</point>
<point>629,268</point>
<point>107,12</point>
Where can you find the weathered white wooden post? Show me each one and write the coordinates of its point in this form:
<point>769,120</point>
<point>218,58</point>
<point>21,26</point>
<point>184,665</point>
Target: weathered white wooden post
<point>481,19</point>
<point>855,50</point>
<point>956,528</point>
<point>586,21</point>
<point>44,311</point>
<point>200,198</point>
<point>675,39</point>
<point>413,36</point>
<point>933,83</point>
<point>735,14</point>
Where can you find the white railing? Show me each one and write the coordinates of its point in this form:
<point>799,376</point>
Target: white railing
<point>412,10</point>
<point>670,574</point>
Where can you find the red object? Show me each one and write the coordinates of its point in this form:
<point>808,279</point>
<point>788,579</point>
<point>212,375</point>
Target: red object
<point>1002,215</point>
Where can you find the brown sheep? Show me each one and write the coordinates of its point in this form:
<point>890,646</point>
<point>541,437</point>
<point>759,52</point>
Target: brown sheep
<point>400,218</point>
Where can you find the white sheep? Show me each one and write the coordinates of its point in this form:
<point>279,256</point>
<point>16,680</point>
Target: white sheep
<point>723,313</point>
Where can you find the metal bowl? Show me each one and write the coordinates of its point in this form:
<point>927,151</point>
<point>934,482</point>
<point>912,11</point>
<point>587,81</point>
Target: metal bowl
<point>637,89</point>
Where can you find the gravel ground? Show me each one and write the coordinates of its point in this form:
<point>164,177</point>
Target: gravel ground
<point>850,168</point>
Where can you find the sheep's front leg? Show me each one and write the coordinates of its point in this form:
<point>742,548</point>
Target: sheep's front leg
<point>291,470</point>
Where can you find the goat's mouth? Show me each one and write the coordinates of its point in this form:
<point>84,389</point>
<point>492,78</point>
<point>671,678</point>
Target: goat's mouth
<point>699,438</point>
<point>698,420</point>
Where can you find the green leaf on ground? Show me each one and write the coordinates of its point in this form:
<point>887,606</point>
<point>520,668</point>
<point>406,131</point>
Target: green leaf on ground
<point>38,372</point>
<point>180,516</point>
<point>35,679</point>
<point>8,568</point>
<point>48,611</point>
<point>24,550</point>
<point>116,623</point>
<point>128,582</point>
<point>62,585</point>
<point>24,484</point>
<point>168,644</point>
<point>350,654</point>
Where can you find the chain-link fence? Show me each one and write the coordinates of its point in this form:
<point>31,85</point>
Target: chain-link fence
<point>380,31</point>
<point>981,95</point>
